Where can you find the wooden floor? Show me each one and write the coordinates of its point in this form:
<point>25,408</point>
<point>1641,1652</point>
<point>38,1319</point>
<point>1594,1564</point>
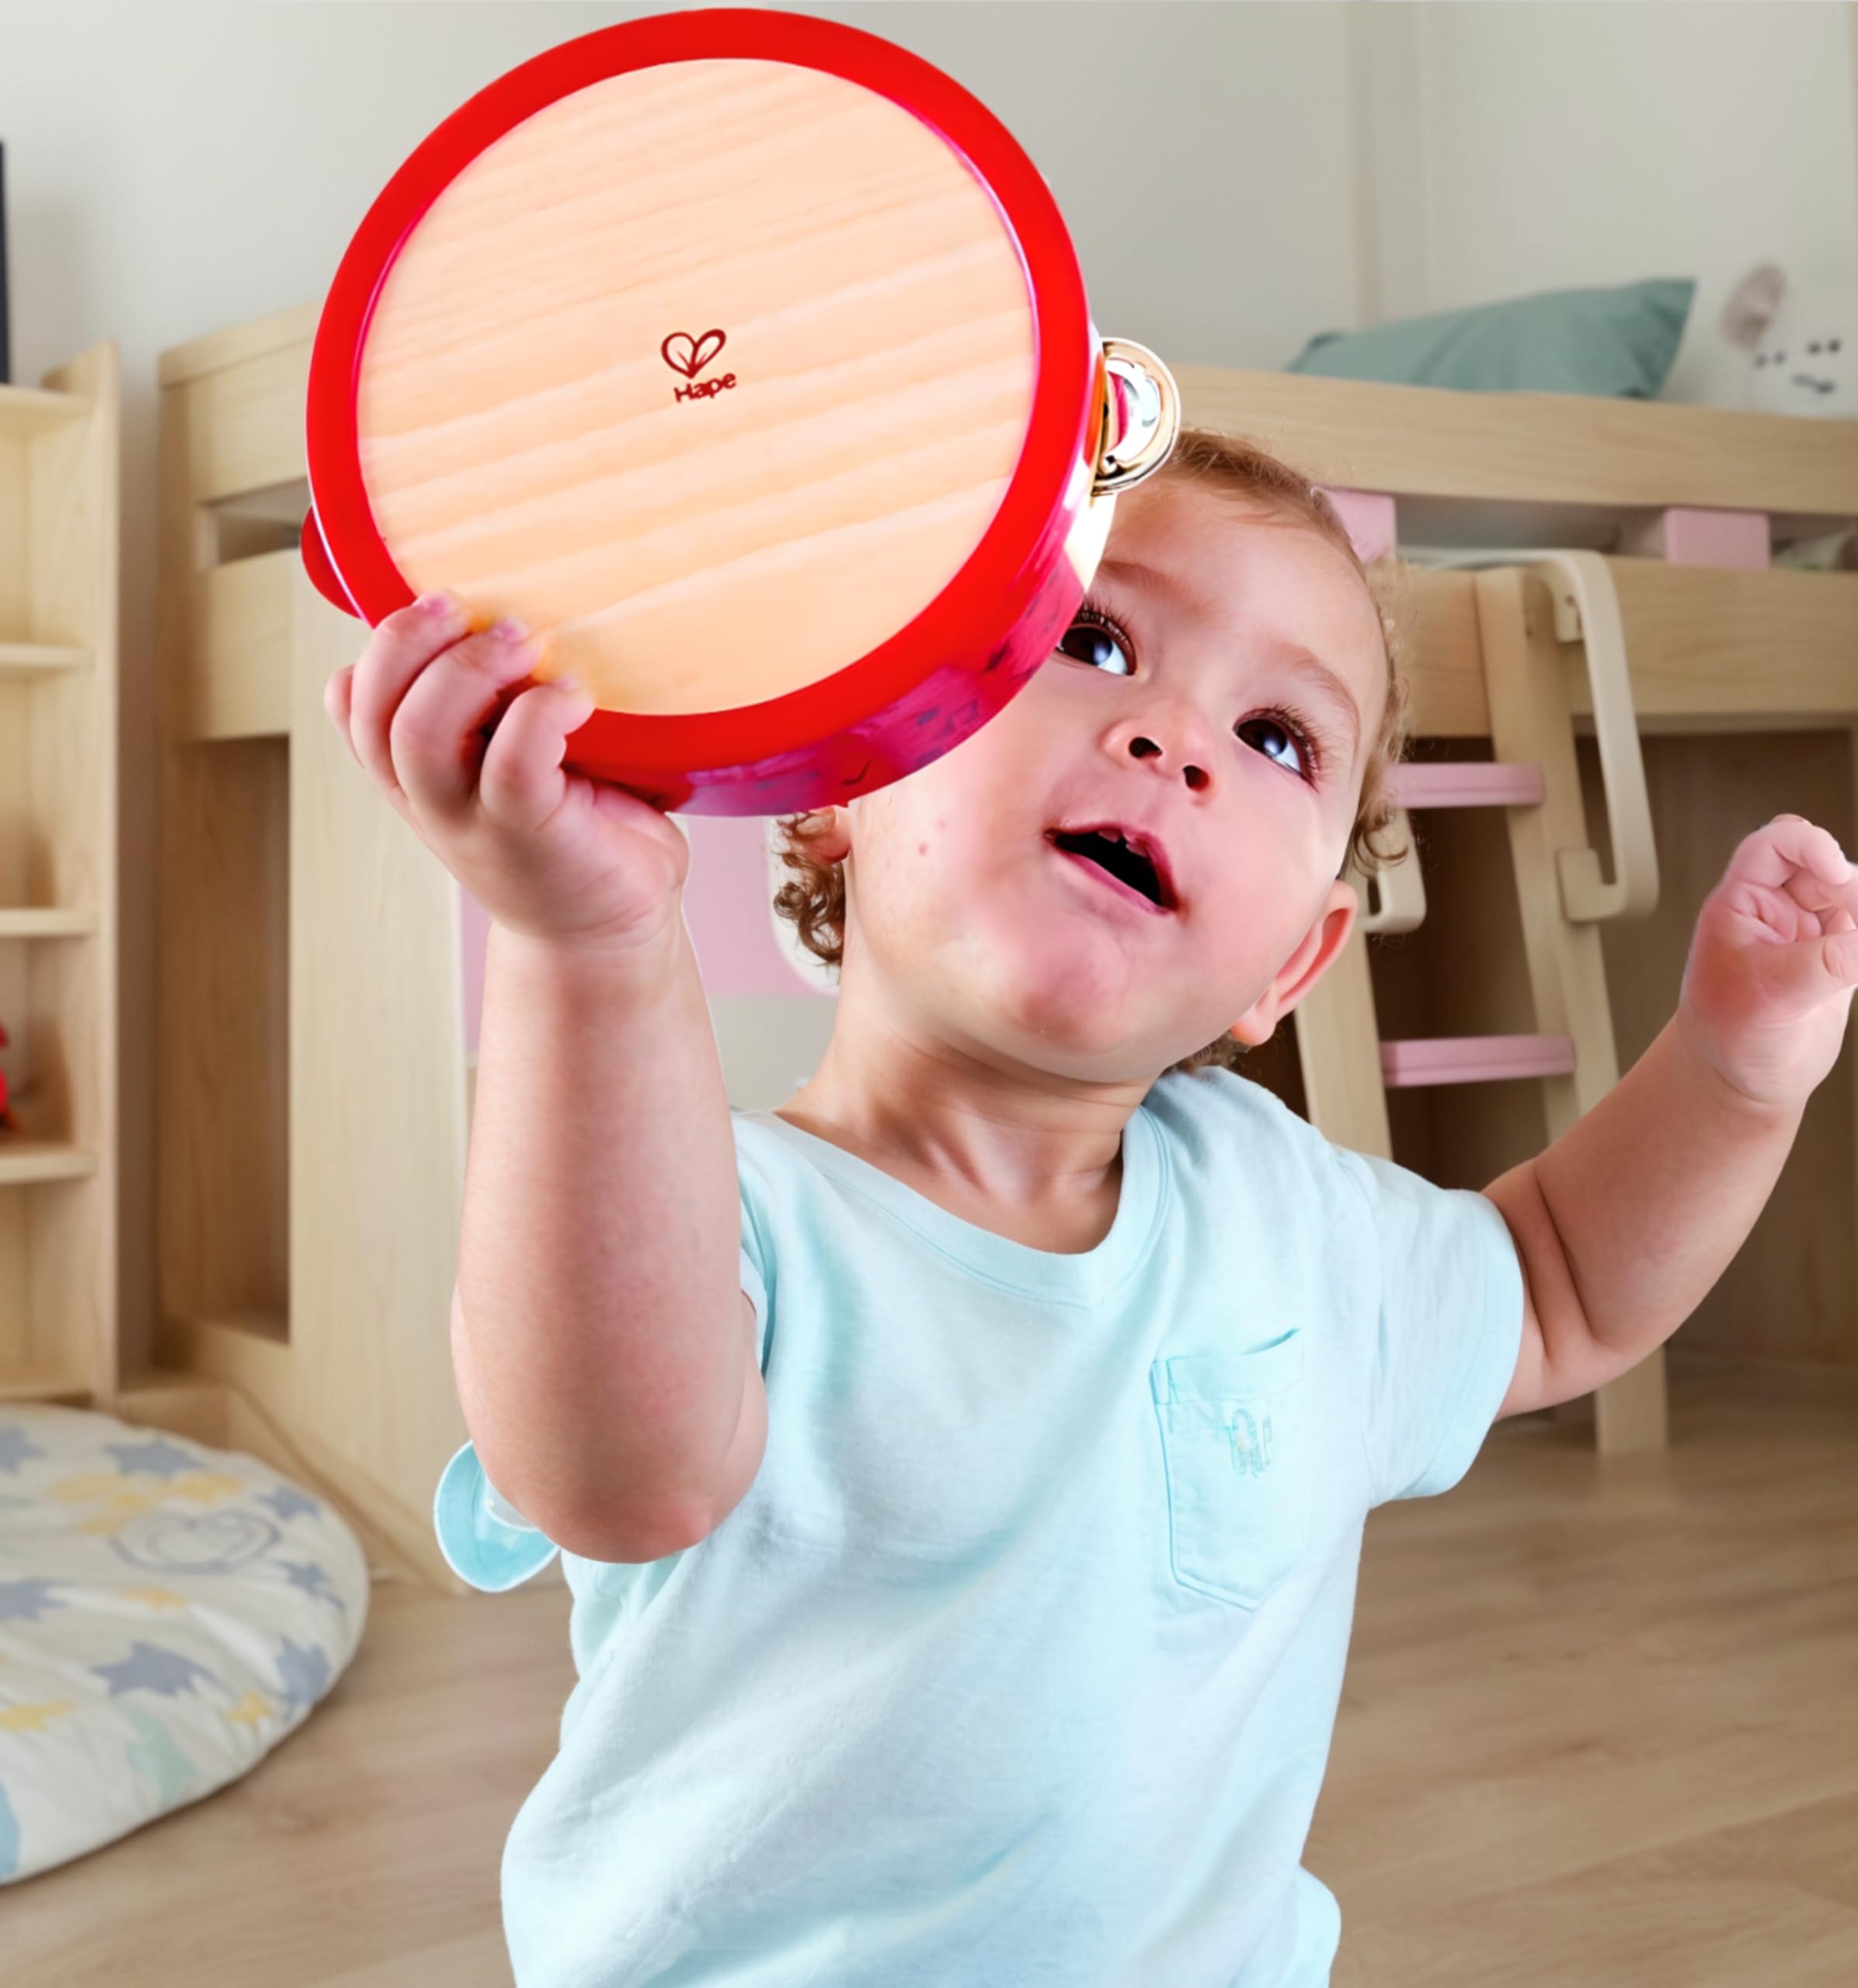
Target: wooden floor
<point>1600,1726</point>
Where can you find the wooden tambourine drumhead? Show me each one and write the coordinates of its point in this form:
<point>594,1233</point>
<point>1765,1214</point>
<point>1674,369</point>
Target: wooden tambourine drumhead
<point>745,358</point>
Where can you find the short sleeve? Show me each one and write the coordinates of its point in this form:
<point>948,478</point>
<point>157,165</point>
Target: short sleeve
<point>756,1288</point>
<point>757,1264</point>
<point>484,1539</point>
<point>1450,1326</point>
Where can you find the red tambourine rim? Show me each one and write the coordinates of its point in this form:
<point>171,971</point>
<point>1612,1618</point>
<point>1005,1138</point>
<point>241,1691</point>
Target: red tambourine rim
<point>968,610</point>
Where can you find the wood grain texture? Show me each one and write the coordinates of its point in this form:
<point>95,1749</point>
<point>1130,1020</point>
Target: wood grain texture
<point>520,439</point>
<point>1569,449</point>
<point>376,1064</point>
<point>1595,1728</point>
<point>1596,1725</point>
<point>59,507</point>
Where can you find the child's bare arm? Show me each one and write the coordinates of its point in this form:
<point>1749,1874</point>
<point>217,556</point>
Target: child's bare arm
<point>1626,1221</point>
<point>602,1357</point>
<point>604,1349</point>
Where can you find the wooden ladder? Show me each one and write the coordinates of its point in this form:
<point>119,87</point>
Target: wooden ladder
<point>1537,613</point>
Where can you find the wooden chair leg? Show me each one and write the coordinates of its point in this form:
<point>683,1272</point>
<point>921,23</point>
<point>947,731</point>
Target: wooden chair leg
<point>1525,670</point>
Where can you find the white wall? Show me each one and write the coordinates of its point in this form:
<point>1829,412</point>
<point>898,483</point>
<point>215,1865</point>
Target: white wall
<point>173,166</point>
<point>1542,146</point>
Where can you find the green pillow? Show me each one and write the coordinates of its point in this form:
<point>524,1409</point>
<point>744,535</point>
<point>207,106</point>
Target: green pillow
<point>1612,342</point>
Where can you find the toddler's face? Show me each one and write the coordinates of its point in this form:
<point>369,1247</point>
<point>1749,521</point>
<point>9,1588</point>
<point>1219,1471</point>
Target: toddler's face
<point>1204,719</point>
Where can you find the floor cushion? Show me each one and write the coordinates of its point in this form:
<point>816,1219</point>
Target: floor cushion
<point>168,1613</point>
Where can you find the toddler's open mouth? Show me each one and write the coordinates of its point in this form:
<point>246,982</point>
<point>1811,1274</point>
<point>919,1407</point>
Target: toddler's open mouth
<point>1129,862</point>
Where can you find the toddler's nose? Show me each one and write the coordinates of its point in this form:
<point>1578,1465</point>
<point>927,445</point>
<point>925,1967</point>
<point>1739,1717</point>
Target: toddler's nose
<point>1144,747</point>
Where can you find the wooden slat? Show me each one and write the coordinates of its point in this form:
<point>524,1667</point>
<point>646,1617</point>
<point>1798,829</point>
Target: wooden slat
<point>30,411</point>
<point>1464,784</point>
<point>1702,643</point>
<point>43,1384</point>
<point>1531,448</point>
<point>1529,676</point>
<point>1441,655</point>
<point>376,1116</point>
<point>233,344</point>
<point>40,658</point>
<point>1428,1061</point>
<point>35,922</point>
<point>236,676</point>
<point>23,1161</point>
<point>243,423</point>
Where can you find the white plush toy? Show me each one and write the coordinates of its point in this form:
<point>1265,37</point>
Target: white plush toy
<point>1804,340</point>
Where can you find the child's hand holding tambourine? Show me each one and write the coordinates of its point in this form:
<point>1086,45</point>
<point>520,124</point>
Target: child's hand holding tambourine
<point>469,747</point>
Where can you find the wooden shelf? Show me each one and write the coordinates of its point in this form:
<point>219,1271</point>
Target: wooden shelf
<point>33,410</point>
<point>41,1384</point>
<point>24,1161</point>
<point>41,658</point>
<point>59,503</point>
<point>46,922</point>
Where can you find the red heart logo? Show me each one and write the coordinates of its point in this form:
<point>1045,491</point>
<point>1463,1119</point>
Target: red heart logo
<point>691,354</point>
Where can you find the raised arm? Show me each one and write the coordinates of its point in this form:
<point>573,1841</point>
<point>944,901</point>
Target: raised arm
<point>600,1338</point>
<point>603,1348</point>
<point>1625,1222</point>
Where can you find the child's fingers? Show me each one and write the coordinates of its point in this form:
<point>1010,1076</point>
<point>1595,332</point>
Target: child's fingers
<point>335,697</point>
<point>437,736</point>
<point>400,648</point>
<point>521,783</point>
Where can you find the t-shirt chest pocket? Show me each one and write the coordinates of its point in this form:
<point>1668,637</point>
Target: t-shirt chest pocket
<point>1234,1455</point>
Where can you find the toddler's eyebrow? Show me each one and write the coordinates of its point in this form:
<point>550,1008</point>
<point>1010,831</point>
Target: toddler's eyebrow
<point>1304,662</point>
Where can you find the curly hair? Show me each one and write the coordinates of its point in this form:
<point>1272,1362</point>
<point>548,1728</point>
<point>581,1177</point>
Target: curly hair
<point>814,898</point>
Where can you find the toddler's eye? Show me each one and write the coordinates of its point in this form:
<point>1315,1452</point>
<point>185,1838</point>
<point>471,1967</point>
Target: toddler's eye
<point>1270,736</point>
<point>1097,643</point>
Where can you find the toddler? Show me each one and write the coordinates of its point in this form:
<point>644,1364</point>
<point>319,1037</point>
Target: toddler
<point>960,1470</point>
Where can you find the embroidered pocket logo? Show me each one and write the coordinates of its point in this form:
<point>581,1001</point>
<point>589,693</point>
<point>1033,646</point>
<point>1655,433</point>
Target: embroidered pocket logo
<point>1250,1444</point>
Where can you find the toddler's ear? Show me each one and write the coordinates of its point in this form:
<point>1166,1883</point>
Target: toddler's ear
<point>829,833</point>
<point>1316,953</point>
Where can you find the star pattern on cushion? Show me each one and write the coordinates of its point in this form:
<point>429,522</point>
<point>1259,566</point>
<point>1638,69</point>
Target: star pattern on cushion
<point>286,1501</point>
<point>26,1600</point>
<point>157,1457</point>
<point>303,1675</point>
<point>148,1667</point>
<point>16,1447</point>
<point>307,1575</point>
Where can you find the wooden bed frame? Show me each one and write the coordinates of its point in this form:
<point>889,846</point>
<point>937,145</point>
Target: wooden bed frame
<point>311,1178</point>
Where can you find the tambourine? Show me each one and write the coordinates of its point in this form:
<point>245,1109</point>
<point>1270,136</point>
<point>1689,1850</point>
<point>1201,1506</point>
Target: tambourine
<point>743,357</point>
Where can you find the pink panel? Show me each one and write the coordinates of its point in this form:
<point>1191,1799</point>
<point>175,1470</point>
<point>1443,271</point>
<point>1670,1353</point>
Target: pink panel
<point>1467,1059</point>
<point>1468,783</point>
<point>1686,536</point>
<point>1371,521</point>
<point>726,907</point>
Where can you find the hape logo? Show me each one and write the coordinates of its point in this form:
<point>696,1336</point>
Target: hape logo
<point>688,355</point>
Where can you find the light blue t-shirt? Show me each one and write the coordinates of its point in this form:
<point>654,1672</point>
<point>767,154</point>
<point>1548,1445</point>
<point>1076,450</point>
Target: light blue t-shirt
<point>1016,1666</point>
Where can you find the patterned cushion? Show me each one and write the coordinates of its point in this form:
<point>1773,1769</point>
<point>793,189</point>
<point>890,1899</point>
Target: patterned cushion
<point>168,1613</point>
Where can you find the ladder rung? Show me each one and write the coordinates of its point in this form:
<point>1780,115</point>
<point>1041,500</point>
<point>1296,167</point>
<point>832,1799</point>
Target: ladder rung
<point>1474,1059</point>
<point>1466,784</point>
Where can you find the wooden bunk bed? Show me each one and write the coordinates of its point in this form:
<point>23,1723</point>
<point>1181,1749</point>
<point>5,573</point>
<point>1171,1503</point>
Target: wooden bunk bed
<point>311,1176</point>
